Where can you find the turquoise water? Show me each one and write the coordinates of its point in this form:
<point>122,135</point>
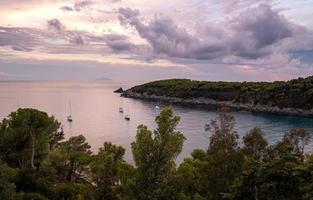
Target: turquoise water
<point>95,113</point>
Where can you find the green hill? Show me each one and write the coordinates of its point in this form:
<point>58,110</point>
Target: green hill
<point>296,93</point>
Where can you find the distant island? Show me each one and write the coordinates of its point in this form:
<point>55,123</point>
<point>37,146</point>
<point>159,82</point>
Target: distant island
<point>293,97</point>
<point>103,79</point>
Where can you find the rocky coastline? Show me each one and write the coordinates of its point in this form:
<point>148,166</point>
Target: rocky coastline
<point>213,103</point>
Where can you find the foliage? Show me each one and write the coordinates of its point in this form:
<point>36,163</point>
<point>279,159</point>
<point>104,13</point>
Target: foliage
<point>71,159</point>
<point>224,158</point>
<point>105,171</point>
<point>226,170</point>
<point>255,144</point>
<point>297,93</point>
<point>26,136</point>
<point>154,154</point>
<point>7,186</point>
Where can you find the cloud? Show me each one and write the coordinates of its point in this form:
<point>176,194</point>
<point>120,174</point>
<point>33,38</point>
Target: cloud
<point>257,30</point>
<point>66,8</point>
<point>78,6</point>
<point>20,48</point>
<point>119,42</point>
<point>63,41</point>
<point>19,39</point>
<point>230,6</point>
<point>252,34</point>
<point>79,40</point>
<point>55,24</point>
<point>162,34</point>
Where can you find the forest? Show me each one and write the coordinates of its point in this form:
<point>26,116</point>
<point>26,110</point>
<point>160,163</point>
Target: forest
<point>37,163</point>
<point>296,93</point>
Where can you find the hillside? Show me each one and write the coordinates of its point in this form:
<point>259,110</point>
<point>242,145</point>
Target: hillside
<point>295,95</point>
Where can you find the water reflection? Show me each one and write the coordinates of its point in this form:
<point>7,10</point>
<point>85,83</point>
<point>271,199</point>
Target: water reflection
<point>95,112</point>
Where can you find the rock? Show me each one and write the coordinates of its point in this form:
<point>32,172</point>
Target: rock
<point>119,90</point>
<point>211,102</point>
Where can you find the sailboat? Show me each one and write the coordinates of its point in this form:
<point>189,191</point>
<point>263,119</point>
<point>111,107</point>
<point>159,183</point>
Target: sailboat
<point>127,117</point>
<point>69,118</point>
<point>121,110</point>
<point>157,107</point>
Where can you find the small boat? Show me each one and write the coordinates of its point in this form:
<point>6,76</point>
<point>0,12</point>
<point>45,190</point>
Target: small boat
<point>207,127</point>
<point>127,117</point>
<point>69,118</point>
<point>121,110</point>
<point>157,107</point>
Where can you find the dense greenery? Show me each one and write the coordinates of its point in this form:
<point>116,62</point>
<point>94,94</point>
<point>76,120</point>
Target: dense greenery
<point>38,164</point>
<point>297,93</point>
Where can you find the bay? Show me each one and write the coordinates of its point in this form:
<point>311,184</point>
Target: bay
<point>96,116</point>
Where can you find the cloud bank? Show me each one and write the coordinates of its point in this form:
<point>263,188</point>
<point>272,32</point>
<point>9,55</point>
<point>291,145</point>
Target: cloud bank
<point>253,34</point>
<point>213,39</point>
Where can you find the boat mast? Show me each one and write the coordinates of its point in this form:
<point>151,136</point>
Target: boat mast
<point>70,108</point>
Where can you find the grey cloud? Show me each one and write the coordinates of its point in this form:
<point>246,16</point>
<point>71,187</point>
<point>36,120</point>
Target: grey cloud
<point>17,39</point>
<point>55,24</point>
<point>252,34</point>
<point>66,8</point>
<point>235,5</point>
<point>78,6</point>
<point>73,42</point>
<point>128,15</point>
<point>256,30</point>
<point>162,34</point>
<point>78,39</point>
<point>20,48</point>
<point>116,37</point>
<point>120,43</point>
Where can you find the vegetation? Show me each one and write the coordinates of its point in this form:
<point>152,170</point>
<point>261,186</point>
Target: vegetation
<point>297,93</point>
<point>36,163</point>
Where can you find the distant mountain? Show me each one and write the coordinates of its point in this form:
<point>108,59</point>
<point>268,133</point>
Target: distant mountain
<point>103,79</point>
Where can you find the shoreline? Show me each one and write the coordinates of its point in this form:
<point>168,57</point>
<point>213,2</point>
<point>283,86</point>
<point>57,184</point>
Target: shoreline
<point>213,103</point>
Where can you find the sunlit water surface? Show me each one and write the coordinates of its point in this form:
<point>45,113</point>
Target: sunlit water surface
<point>95,113</point>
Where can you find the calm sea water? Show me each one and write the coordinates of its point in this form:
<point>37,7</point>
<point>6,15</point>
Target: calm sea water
<point>95,113</point>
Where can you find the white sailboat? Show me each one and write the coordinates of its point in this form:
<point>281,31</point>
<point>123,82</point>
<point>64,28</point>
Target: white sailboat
<point>121,110</point>
<point>69,118</point>
<point>157,107</point>
<point>127,117</point>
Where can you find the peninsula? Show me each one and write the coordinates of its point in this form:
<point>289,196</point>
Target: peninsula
<point>293,97</point>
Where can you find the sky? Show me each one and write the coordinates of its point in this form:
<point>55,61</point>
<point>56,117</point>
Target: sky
<point>232,40</point>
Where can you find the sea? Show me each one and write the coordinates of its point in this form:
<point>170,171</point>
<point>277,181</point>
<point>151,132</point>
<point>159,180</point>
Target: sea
<point>95,111</point>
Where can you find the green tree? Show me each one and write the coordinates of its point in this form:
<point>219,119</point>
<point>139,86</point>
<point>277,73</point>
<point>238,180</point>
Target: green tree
<point>7,186</point>
<point>31,132</point>
<point>71,159</point>
<point>277,179</point>
<point>188,176</point>
<point>154,154</point>
<point>105,170</point>
<point>224,158</point>
<point>281,175</point>
<point>308,183</point>
<point>255,145</point>
<point>298,138</point>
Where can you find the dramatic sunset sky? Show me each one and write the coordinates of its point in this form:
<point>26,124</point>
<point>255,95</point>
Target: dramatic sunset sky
<point>156,39</point>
